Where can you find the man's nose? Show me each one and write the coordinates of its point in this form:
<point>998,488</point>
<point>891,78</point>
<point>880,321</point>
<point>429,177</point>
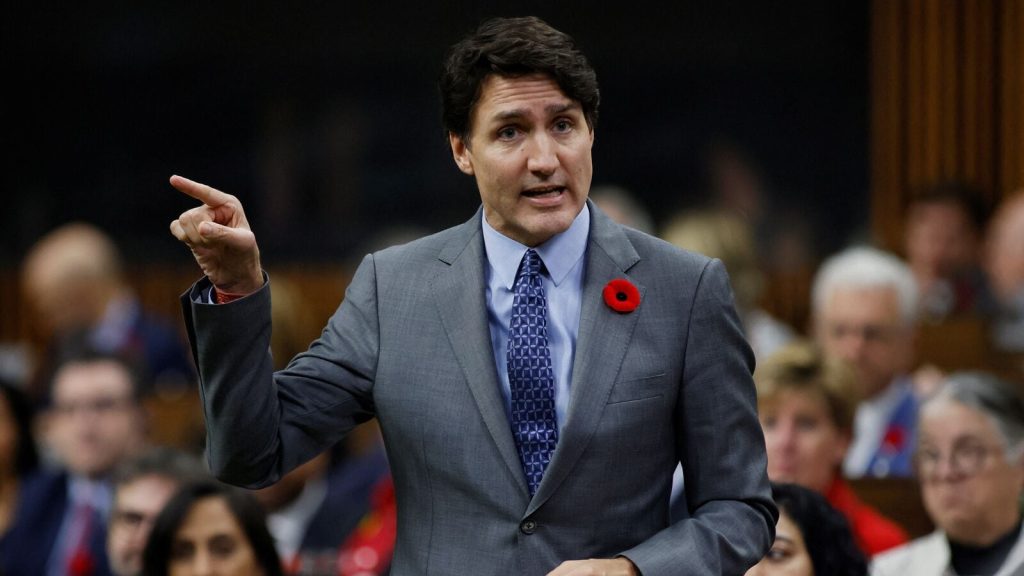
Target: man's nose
<point>543,157</point>
<point>946,471</point>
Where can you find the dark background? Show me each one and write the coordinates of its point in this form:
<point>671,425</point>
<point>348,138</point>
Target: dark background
<point>323,116</point>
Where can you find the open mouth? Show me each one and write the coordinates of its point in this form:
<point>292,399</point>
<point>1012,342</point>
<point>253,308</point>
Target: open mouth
<point>544,192</point>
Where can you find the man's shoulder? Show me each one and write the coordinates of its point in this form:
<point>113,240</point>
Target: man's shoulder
<point>45,484</point>
<point>657,255</point>
<point>430,247</point>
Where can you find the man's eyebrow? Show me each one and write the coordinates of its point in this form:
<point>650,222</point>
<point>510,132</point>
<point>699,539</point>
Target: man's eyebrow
<point>560,108</point>
<point>551,110</point>
<point>514,114</point>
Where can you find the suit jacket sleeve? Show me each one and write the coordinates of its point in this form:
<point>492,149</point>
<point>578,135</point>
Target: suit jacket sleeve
<point>260,425</point>
<point>732,516</point>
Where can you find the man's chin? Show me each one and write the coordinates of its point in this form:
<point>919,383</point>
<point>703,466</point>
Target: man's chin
<point>545,226</point>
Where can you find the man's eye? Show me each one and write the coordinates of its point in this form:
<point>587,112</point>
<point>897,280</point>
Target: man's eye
<point>563,126</point>
<point>129,518</point>
<point>507,133</point>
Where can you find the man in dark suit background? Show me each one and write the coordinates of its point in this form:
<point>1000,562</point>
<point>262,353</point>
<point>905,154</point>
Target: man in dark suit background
<point>537,372</point>
<point>93,423</point>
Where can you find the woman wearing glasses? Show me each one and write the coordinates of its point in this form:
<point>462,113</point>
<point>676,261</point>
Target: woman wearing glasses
<point>969,462</point>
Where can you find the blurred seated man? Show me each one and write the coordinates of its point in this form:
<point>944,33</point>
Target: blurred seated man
<point>94,423</point>
<point>865,309</point>
<point>969,462</point>
<point>322,514</point>
<point>811,538</point>
<point>942,243</point>
<point>1004,264</point>
<point>142,486</point>
<point>74,280</point>
<point>806,404</point>
<point>314,511</point>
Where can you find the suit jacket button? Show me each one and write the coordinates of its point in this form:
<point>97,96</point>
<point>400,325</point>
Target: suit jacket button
<point>528,527</point>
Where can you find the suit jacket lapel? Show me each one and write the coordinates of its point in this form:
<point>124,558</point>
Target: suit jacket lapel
<point>603,339</point>
<point>460,296</point>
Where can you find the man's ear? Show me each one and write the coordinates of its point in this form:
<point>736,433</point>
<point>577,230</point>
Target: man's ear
<point>461,152</point>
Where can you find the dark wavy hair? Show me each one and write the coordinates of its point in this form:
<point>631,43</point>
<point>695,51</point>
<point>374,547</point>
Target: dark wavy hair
<point>513,47</point>
<point>243,506</point>
<point>26,458</point>
<point>825,530</point>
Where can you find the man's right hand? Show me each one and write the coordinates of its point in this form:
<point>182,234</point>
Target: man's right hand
<point>220,238</point>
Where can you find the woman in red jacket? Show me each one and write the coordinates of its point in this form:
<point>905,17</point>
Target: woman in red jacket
<point>806,404</point>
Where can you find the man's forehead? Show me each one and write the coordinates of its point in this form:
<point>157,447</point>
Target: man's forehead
<point>92,378</point>
<point>863,298</point>
<point>504,95</point>
<point>147,488</point>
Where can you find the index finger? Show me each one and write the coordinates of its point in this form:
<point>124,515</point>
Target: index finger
<point>205,194</point>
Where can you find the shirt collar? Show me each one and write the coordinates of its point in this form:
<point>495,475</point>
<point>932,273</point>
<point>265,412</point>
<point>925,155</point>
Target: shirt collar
<point>93,493</point>
<point>889,399</point>
<point>560,253</point>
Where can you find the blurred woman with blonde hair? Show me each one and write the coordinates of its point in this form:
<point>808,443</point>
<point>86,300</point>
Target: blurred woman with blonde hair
<point>806,403</point>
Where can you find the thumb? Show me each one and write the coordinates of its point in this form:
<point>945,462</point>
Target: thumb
<point>238,238</point>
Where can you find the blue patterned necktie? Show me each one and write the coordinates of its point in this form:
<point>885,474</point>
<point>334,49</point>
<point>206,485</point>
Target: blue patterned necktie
<point>530,376</point>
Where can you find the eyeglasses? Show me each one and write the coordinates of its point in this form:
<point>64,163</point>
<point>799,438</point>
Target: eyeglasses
<point>873,333</point>
<point>131,520</point>
<point>98,406</point>
<point>965,459</point>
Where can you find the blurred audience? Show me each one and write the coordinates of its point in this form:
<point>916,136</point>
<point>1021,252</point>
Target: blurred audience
<point>865,308</point>
<point>784,230</point>
<point>211,528</point>
<point>970,463</point>
<point>726,237</point>
<point>811,538</point>
<point>806,404</point>
<point>942,240</point>
<point>336,513</point>
<point>1004,264</point>
<point>142,486</point>
<point>622,206</point>
<point>74,280</point>
<point>18,456</point>
<point>94,423</point>
<point>336,519</point>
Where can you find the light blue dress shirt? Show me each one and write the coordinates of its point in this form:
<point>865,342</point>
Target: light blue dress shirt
<point>563,286</point>
<point>81,491</point>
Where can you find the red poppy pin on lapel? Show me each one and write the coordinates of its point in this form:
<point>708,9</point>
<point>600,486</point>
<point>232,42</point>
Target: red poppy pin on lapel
<point>621,295</point>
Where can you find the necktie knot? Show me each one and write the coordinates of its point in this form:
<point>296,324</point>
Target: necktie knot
<point>530,266</point>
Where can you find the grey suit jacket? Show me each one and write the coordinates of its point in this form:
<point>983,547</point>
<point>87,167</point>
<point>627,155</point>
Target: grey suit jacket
<point>669,382</point>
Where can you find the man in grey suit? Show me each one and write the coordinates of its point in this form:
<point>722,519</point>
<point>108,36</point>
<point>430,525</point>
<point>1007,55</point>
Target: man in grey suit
<point>537,372</point>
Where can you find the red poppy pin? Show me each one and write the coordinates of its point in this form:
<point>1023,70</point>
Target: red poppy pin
<point>893,440</point>
<point>621,295</point>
